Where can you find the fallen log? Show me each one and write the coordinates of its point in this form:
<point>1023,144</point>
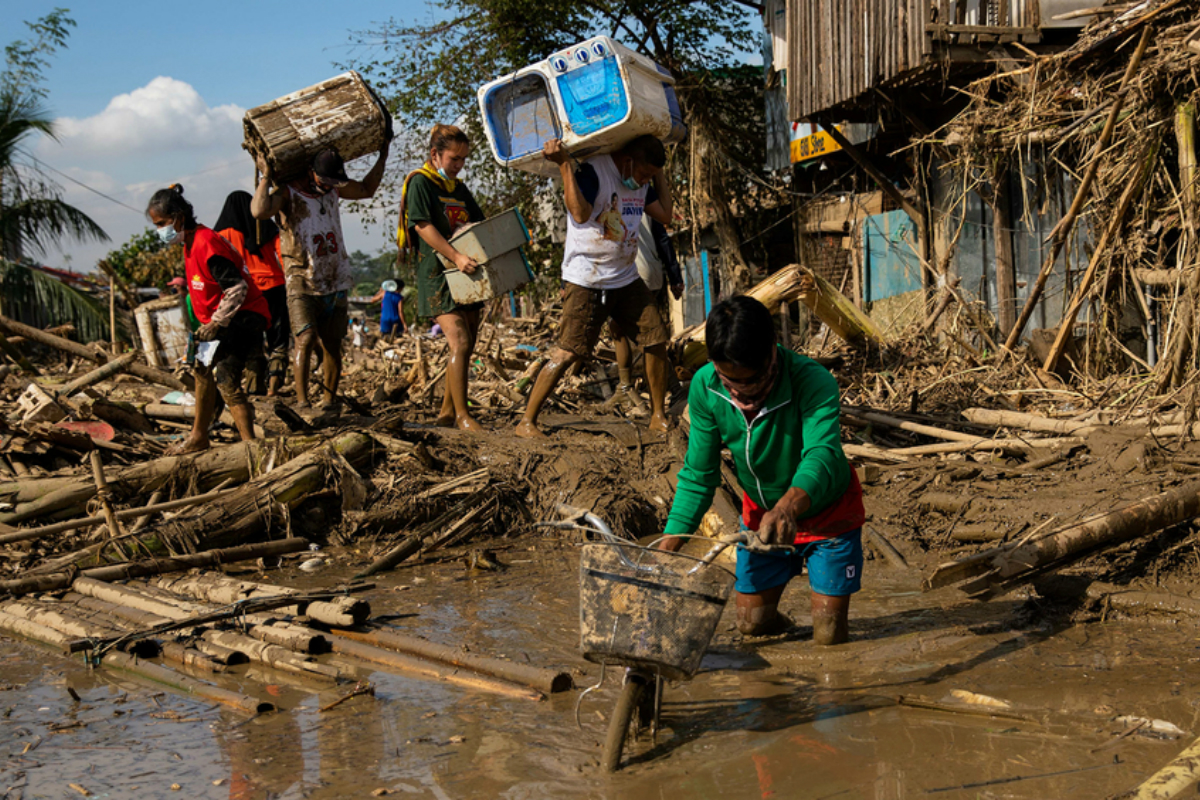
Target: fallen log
<point>905,425</point>
<point>107,370</point>
<point>154,566</point>
<point>159,674</point>
<point>1029,422</point>
<point>261,627</point>
<point>547,681</point>
<point>1000,569</point>
<point>62,497</point>
<point>129,513</point>
<point>980,443</point>
<point>142,371</point>
<point>1174,779</point>
<point>190,657</point>
<point>223,590</point>
<point>431,671</point>
<point>248,511</point>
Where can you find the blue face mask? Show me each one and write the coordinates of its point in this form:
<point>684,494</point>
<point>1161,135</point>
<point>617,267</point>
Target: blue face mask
<point>631,184</point>
<point>167,234</point>
<point>442,172</point>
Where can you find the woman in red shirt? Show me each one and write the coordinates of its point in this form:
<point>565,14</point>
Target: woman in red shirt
<point>230,308</point>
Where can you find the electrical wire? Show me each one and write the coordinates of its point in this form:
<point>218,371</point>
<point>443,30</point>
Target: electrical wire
<point>44,165</point>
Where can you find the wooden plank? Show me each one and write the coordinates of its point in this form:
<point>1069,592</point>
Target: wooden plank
<point>869,167</point>
<point>943,31</point>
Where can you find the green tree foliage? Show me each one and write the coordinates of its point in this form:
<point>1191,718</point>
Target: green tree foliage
<point>31,296</point>
<point>32,213</point>
<point>145,260</point>
<point>430,72</point>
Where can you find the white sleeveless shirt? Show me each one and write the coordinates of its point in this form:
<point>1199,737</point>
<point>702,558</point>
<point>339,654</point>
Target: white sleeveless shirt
<point>310,240</point>
<point>601,253</point>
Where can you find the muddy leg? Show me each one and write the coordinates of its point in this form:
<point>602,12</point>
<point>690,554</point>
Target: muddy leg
<point>547,379</point>
<point>460,333</point>
<point>305,344</point>
<point>243,420</point>
<point>656,376</point>
<point>831,619</point>
<point>758,612</point>
<point>206,406</point>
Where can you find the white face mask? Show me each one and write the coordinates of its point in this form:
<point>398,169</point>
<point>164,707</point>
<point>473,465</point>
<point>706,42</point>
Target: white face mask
<point>168,235</point>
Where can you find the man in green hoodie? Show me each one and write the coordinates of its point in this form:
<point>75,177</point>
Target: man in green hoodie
<point>777,412</point>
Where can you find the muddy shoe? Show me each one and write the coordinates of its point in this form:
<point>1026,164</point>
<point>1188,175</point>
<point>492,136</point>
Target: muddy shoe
<point>636,408</point>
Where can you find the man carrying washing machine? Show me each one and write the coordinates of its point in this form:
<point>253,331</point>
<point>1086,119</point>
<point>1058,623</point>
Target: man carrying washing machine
<point>606,196</point>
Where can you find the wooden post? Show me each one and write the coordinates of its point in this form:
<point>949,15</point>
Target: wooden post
<point>785,336</point>
<point>110,517</point>
<point>1006,274</point>
<point>869,167</point>
<point>112,311</point>
<point>1058,237</point>
<point>1089,276</point>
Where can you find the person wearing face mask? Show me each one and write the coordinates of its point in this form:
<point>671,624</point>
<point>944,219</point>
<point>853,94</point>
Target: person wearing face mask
<point>778,413</point>
<point>600,274</point>
<point>434,204</point>
<point>229,307</point>
<point>316,265</point>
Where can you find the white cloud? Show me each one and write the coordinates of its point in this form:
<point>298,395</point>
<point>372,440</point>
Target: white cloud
<point>164,115</point>
<point>160,134</point>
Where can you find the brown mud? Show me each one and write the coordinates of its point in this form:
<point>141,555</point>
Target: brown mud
<point>775,717</point>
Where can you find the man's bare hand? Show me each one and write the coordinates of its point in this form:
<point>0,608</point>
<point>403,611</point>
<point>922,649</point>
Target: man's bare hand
<point>554,151</point>
<point>264,168</point>
<point>778,527</point>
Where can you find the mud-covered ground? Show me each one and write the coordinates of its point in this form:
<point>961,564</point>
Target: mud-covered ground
<point>764,718</point>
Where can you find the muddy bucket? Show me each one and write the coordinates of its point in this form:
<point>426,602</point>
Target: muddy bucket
<point>342,112</point>
<point>640,607</point>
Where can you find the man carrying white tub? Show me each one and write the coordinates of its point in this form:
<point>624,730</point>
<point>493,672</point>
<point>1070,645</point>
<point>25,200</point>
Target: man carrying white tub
<point>606,197</point>
<point>315,262</point>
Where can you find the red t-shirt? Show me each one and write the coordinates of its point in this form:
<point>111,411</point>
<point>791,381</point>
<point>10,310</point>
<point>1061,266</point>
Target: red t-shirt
<point>203,289</point>
<point>264,268</point>
<point>842,517</point>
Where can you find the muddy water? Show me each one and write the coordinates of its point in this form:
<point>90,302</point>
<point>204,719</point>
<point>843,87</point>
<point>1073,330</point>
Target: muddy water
<point>763,719</point>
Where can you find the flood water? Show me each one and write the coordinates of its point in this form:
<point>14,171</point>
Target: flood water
<point>762,719</point>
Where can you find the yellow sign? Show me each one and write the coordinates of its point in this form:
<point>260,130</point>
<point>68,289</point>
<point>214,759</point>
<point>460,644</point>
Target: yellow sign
<point>814,145</point>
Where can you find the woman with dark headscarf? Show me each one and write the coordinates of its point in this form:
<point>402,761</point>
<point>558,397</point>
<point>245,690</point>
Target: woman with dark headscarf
<point>257,241</point>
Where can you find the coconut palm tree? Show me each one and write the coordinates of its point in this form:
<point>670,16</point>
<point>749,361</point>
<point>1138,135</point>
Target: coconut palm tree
<point>32,215</point>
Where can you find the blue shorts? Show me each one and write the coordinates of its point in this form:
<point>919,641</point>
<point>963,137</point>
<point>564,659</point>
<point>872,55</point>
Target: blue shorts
<point>834,566</point>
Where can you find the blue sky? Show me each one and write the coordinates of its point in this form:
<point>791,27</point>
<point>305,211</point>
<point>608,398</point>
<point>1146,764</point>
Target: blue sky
<point>148,94</point>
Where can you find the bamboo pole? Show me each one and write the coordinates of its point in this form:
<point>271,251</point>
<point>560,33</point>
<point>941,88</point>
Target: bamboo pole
<point>110,518</point>
<point>1029,422</point>
<point>119,364</point>
<point>155,566</point>
<point>425,669</point>
<point>1011,565</point>
<point>1174,779</point>
<point>544,680</point>
<point>142,371</point>
<point>914,427</point>
<point>1089,276</point>
<point>223,590</point>
<point>980,443</point>
<point>1058,237</point>
<point>129,513</point>
<point>182,683</point>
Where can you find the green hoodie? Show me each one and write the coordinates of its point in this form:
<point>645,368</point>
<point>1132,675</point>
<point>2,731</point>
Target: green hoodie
<point>795,440</point>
